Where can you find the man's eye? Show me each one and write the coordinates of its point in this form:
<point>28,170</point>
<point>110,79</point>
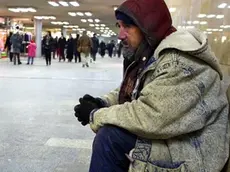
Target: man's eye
<point>126,25</point>
<point>117,25</point>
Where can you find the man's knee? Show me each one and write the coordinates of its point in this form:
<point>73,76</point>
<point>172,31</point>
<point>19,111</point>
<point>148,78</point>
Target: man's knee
<point>106,135</point>
<point>112,137</point>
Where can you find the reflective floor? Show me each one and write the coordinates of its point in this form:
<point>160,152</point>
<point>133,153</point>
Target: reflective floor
<point>38,131</point>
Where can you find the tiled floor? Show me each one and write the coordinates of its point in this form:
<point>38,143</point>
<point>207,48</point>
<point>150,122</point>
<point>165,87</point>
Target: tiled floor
<point>38,131</point>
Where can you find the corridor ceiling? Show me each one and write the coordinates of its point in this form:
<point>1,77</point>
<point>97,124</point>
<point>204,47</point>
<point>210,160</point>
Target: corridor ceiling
<point>184,12</point>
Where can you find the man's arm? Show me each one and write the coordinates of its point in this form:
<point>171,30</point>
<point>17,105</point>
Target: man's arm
<point>111,98</point>
<point>171,105</point>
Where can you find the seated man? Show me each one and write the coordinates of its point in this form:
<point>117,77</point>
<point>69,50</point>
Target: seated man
<point>170,112</point>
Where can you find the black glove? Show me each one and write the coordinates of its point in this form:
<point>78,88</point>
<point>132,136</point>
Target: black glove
<point>83,110</point>
<point>99,102</point>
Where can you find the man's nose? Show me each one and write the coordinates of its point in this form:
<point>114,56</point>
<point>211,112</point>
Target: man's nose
<point>122,34</point>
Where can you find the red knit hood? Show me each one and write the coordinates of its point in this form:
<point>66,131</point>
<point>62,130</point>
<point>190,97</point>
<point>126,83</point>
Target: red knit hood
<point>151,16</point>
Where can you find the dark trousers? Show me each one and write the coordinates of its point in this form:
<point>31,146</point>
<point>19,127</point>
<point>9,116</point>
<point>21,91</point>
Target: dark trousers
<point>54,53</point>
<point>11,56</point>
<point>119,53</point>
<point>111,53</point>
<point>109,148</point>
<point>62,54</point>
<point>48,57</point>
<point>94,55</point>
<point>102,53</point>
<point>16,55</point>
<point>77,56</point>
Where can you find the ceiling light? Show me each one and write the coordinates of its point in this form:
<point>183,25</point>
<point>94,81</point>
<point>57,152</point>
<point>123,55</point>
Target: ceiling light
<point>103,25</point>
<point>211,16</point>
<point>91,25</point>
<point>74,3</point>
<point>97,28</point>
<point>83,20</point>
<point>66,26</point>
<point>63,3</point>
<point>209,33</point>
<point>74,29</point>
<point>54,23</point>
<point>22,10</point>
<point>179,27</point>
<point>220,16</point>
<point>105,35</point>
<point>223,5</point>
<point>115,8</point>
<point>220,30</point>
<point>72,14</point>
<point>102,28</point>
<point>227,26</point>
<point>195,22</point>
<point>189,22</point>
<point>97,25</point>
<point>215,30</point>
<point>55,4</point>
<point>80,14</point>
<point>45,17</point>
<point>222,26</point>
<point>66,23</point>
<point>83,29</point>
<point>190,27</point>
<point>201,15</point>
<point>97,20</point>
<point>203,22</point>
<point>107,28</point>
<point>209,29</point>
<point>32,10</point>
<point>172,10</point>
<point>229,6</point>
<point>90,20</point>
<point>88,14</point>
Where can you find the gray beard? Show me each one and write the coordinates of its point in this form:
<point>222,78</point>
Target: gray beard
<point>128,53</point>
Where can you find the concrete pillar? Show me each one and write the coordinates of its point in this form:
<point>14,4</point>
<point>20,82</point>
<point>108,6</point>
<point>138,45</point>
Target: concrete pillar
<point>63,30</point>
<point>38,36</point>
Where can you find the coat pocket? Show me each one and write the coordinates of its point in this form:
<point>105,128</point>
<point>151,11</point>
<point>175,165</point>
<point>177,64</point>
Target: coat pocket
<point>166,167</point>
<point>139,166</point>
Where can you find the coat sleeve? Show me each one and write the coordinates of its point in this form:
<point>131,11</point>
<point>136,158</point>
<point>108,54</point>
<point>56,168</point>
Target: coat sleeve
<point>112,97</point>
<point>169,106</point>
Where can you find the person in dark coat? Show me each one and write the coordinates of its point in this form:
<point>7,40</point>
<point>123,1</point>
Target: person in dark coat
<point>8,46</point>
<point>70,48</point>
<point>61,46</point>
<point>95,47</point>
<point>102,49</point>
<point>48,44</point>
<point>110,48</point>
<point>16,44</point>
<point>120,46</point>
<point>76,52</point>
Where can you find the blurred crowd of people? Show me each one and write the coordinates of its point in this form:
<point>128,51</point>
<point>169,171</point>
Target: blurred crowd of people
<point>80,49</point>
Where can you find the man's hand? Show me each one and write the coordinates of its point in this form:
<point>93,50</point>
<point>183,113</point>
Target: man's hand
<point>87,105</point>
<point>83,110</point>
<point>99,102</point>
